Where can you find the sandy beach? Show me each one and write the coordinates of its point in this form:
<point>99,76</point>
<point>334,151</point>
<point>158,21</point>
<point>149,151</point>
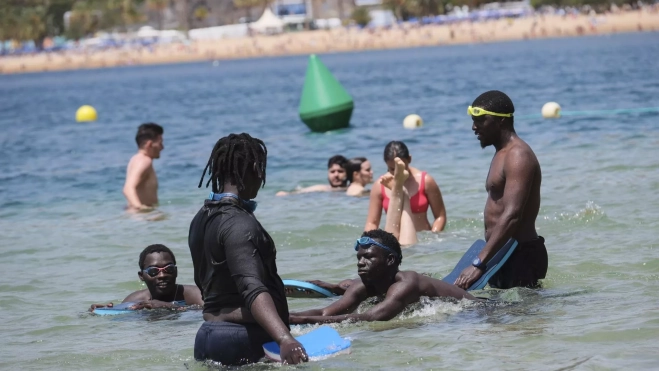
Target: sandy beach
<point>338,40</point>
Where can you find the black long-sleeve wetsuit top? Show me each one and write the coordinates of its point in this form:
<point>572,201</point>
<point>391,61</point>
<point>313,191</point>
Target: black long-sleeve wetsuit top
<point>234,258</point>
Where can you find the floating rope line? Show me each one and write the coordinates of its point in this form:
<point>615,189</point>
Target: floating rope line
<point>597,112</point>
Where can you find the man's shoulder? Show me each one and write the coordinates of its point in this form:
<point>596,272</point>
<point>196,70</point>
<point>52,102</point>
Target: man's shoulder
<point>139,295</point>
<point>407,277</point>
<point>520,150</point>
<point>141,160</point>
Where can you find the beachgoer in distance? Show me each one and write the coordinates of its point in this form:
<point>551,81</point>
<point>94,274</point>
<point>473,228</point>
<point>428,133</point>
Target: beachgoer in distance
<point>234,262</point>
<point>158,271</point>
<point>141,187</point>
<point>513,197</point>
<point>336,176</point>
<point>360,174</point>
<point>421,190</point>
<point>379,256</point>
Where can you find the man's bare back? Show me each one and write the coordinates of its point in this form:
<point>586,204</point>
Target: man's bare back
<point>377,265</point>
<point>408,287</point>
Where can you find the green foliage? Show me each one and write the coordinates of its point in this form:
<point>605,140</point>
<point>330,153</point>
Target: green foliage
<point>361,16</point>
<point>38,19</point>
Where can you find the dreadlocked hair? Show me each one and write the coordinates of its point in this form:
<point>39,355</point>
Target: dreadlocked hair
<point>231,158</point>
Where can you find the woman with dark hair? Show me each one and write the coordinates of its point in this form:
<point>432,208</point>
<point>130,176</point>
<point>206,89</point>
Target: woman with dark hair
<point>421,192</point>
<point>360,174</point>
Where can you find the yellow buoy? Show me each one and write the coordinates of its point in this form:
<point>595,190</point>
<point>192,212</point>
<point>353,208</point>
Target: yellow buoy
<point>412,122</point>
<point>86,113</point>
<point>551,110</point>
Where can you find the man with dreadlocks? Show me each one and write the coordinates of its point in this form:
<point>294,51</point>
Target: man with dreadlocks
<point>234,262</point>
<point>513,202</point>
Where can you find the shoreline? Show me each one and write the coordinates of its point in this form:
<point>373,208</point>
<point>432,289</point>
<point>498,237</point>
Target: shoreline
<point>342,40</point>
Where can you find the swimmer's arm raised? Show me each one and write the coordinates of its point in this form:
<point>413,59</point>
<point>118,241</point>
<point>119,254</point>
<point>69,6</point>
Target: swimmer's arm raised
<point>374,208</point>
<point>134,177</point>
<point>436,204</point>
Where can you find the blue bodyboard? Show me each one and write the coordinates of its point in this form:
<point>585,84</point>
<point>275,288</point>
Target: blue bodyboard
<point>114,310</point>
<point>492,266</point>
<point>303,289</point>
<point>320,343</point>
<point>120,309</point>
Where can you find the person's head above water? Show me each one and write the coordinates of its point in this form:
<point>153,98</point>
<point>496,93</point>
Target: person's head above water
<point>395,149</point>
<point>378,255</point>
<point>336,171</point>
<point>158,271</point>
<point>149,139</point>
<point>359,170</point>
<point>492,114</point>
<point>238,161</point>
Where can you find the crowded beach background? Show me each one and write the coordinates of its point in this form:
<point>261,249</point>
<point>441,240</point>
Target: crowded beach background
<point>46,35</point>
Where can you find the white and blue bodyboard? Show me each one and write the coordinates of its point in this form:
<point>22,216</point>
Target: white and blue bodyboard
<point>320,343</point>
<point>122,308</point>
<point>492,266</point>
<point>303,289</point>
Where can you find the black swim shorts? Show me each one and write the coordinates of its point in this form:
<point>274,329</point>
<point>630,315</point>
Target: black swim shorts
<point>524,268</point>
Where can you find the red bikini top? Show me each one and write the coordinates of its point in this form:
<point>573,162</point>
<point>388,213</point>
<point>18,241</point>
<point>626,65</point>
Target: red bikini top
<point>418,202</point>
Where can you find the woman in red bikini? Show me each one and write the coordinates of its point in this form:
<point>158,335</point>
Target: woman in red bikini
<point>421,191</point>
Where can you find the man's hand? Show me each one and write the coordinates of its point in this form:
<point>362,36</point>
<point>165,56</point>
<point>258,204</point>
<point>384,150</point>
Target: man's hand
<point>468,276</point>
<point>152,304</point>
<point>94,306</point>
<point>292,352</point>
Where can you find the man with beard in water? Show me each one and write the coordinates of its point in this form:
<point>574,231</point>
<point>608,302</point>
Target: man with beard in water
<point>513,198</point>
<point>337,178</point>
<point>378,258</point>
<point>234,262</point>
<point>158,272</point>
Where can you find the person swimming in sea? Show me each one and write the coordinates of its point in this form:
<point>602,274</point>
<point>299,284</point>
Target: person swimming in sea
<point>336,177</point>
<point>360,174</point>
<point>379,256</point>
<point>158,271</point>
<point>421,192</point>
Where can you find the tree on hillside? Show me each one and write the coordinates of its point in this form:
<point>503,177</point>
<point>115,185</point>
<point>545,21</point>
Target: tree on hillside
<point>361,16</point>
<point>248,5</point>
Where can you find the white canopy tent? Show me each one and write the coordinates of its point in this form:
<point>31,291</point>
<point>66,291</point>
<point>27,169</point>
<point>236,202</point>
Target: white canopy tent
<point>268,23</point>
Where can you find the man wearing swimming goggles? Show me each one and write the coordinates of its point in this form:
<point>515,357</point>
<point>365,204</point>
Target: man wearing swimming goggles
<point>378,259</point>
<point>513,202</point>
<point>158,271</point>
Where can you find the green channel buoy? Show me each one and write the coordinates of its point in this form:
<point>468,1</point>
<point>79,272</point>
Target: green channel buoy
<point>325,105</point>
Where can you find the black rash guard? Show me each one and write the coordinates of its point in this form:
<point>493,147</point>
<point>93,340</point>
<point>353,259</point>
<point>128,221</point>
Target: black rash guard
<point>233,258</point>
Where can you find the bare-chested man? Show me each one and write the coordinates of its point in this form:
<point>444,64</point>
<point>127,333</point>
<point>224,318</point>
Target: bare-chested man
<point>513,201</point>
<point>378,257</point>
<point>141,188</point>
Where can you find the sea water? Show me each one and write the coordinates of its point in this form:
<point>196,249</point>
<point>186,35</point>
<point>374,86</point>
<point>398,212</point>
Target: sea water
<point>66,241</point>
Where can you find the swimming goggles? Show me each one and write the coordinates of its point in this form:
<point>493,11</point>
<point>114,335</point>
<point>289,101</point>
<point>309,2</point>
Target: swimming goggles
<point>154,271</point>
<point>368,241</point>
<point>476,111</point>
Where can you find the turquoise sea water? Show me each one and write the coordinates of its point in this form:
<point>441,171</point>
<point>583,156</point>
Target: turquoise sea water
<point>66,241</point>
